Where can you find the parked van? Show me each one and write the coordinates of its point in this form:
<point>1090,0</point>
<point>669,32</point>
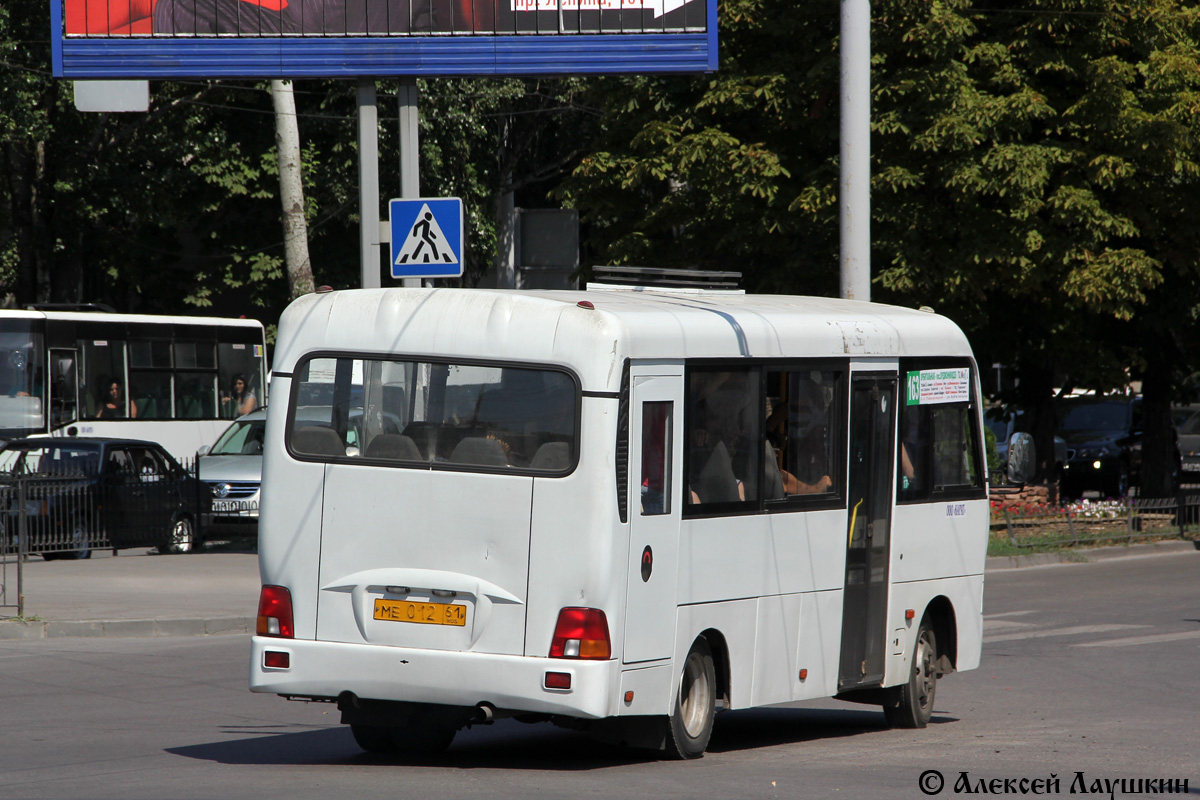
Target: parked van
<point>619,510</point>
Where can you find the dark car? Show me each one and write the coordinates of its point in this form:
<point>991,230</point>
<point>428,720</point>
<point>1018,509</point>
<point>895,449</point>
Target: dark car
<point>1187,425</point>
<point>84,493</point>
<point>1104,444</point>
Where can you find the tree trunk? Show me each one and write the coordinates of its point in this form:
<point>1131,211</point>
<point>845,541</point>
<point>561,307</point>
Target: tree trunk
<point>291,190</point>
<point>1037,399</point>
<point>1159,449</point>
<point>24,175</point>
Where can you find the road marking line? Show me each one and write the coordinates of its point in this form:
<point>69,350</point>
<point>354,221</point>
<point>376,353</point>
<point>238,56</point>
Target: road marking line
<point>1158,637</point>
<point>1010,614</point>
<point>1002,624</point>
<point>1073,631</point>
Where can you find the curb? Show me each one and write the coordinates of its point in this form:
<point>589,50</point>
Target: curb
<point>126,628</point>
<point>1089,556</point>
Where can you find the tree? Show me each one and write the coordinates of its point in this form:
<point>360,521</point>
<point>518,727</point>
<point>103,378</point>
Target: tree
<point>1026,156</point>
<point>736,170</point>
<point>291,191</point>
<point>1029,158</point>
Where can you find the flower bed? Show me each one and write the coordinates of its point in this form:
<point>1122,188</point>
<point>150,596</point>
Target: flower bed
<point>1026,525</point>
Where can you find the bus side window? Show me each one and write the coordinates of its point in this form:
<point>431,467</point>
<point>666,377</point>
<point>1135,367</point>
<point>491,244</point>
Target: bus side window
<point>939,451</point>
<point>722,447</point>
<point>656,457</point>
<point>800,426</point>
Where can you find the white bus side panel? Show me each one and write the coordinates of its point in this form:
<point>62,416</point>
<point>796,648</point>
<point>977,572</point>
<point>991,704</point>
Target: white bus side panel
<point>937,540</point>
<point>577,545</point>
<point>796,632</point>
<point>289,542</point>
<point>181,438</point>
<point>761,554</point>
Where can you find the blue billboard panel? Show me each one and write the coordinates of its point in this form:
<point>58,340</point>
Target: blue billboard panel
<point>376,38</point>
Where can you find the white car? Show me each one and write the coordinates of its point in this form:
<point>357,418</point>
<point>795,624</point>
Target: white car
<point>232,469</point>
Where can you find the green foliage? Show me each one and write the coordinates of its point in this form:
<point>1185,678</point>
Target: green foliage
<point>1035,169</point>
<point>730,171</point>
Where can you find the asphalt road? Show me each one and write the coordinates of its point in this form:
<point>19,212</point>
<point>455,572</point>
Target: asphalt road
<point>1087,669</point>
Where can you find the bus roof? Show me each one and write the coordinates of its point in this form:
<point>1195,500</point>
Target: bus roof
<point>554,327</point>
<point>159,319</point>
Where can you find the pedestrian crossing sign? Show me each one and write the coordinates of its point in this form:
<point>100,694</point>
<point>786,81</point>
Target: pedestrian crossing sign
<point>427,237</point>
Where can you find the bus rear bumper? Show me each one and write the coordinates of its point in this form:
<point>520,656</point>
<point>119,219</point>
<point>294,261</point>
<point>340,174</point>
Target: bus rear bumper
<point>512,683</point>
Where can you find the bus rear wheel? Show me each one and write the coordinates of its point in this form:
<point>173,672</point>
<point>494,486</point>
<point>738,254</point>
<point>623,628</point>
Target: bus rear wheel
<point>413,741</point>
<point>691,722</point>
<point>374,738</point>
<point>917,695</point>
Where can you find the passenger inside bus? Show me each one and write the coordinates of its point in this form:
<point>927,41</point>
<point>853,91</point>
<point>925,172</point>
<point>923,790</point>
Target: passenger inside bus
<point>112,405</point>
<point>798,428</point>
<point>240,400</point>
<point>711,465</point>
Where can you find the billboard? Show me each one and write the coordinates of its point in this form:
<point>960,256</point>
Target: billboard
<point>142,39</point>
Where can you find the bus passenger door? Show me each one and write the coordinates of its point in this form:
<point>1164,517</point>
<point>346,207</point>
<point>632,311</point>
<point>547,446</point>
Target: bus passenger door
<point>655,455</point>
<point>864,602</point>
<point>64,393</point>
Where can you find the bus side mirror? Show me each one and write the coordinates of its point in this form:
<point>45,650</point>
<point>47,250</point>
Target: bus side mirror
<point>1021,458</point>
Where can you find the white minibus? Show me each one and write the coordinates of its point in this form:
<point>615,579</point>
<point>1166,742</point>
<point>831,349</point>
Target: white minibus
<point>619,510</point>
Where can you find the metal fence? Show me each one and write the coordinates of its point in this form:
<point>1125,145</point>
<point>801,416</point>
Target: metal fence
<point>1103,522</point>
<point>71,514</point>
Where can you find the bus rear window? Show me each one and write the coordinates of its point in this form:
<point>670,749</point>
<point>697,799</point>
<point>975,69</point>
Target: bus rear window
<point>444,415</point>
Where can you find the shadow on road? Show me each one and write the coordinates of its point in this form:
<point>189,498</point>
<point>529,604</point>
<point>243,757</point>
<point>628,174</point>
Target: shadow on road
<point>512,745</point>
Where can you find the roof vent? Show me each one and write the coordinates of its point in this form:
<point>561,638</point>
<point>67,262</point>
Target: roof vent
<point>107,309</point>
<point>656,278</point>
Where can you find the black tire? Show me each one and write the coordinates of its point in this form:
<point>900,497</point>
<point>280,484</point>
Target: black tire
<point>917,695</point>
<point>406,741</point>
<point>79,538</point>
<point>182,536</point>
<point>374,738</point>
<point>689,727</point>
<point>422,740</point>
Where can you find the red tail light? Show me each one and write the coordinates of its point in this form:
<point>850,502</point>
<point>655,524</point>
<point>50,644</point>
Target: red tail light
<point>275,612</point>
<point>581,633</point>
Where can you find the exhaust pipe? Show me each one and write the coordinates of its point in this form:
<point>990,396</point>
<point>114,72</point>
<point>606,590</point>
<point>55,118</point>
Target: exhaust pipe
<point>483,714</point>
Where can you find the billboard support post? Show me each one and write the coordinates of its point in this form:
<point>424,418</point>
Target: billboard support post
<point>854,184</point>
<point>368,183</point>
<point>410,147</point>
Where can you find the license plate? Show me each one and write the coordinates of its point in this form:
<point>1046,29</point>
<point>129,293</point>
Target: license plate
<point>226,505</point>
<point>423,613</point>
<point>1191,466</point>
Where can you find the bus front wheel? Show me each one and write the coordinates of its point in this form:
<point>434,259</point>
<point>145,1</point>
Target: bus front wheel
<point>916,697</point>
<point>691,722</point>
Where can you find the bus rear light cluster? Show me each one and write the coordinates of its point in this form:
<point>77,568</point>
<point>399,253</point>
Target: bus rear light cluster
<point>581,633</point>
<point>275,612</point>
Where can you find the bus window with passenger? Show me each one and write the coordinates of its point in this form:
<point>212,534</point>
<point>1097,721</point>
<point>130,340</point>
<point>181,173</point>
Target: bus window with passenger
<point>62,368</point>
